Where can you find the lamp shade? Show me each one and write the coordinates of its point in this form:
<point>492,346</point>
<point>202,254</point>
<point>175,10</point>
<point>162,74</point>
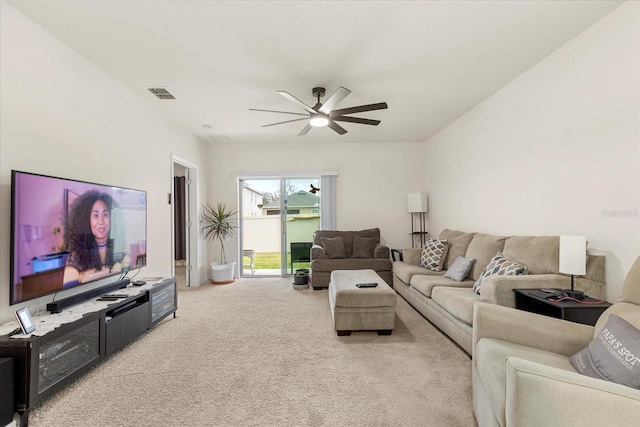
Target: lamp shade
<point>573,255</point>
<point>418,202</point>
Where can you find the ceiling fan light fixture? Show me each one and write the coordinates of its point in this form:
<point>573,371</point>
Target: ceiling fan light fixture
<point>318,120</point>
<point>326,115</point>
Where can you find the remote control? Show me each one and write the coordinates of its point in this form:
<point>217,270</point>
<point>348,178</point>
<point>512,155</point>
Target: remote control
<point>367,285</point>
<point>107,299</point>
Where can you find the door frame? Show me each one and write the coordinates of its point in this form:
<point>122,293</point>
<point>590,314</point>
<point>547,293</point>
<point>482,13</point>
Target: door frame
<point>195,275</point>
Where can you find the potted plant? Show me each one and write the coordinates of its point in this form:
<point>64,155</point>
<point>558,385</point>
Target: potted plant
<point>218,223</point>
<point>301,278</point>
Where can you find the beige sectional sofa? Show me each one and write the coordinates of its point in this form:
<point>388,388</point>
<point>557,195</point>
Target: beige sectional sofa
<point>448,304</point>
<point>348,250</point>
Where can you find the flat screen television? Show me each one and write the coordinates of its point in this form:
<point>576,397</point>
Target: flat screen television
<point>67,233</point>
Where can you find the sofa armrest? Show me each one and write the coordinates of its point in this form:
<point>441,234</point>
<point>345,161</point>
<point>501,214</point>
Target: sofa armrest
<point>529,329</point>
<point>382,251</point>
<point>317,252</point>
<point>412,256</point>
<point>540,395</point>
<point>499,289</point>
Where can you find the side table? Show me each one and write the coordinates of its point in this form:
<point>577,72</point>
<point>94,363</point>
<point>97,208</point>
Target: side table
<point>536,301</point>
<point>396,255</point>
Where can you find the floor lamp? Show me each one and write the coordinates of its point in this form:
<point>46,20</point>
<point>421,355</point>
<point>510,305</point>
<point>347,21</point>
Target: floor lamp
<point>573,260</point>
<point>418,205</point>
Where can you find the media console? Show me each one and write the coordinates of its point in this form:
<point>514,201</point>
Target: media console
<point>46,363</point>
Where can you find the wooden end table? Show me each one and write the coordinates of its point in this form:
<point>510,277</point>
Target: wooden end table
<point>536,301</point>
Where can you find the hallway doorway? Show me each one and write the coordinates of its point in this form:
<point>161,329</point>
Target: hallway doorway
<point>184,212</point>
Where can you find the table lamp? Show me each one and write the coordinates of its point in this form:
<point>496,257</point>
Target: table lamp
<point>573,260</point>
<point>417,203</point>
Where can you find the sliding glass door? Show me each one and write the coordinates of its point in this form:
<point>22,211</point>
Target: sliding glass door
<point>279,216</point>
<point>301,220</point>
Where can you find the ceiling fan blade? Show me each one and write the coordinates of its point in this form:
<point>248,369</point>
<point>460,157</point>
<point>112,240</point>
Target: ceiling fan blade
<point>358,109</point>
<point>335,98</point>
<point>336,127</point>
<point>296,101</point>
<point>305,130</point>
<point>276,111</point>
<point>286,121</point>
<point>356,120</point>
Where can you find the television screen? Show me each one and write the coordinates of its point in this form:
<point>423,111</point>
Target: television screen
<point>66,233</point>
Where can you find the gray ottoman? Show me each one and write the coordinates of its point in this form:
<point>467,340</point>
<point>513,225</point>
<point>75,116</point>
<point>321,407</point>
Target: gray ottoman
<point>361,309</point>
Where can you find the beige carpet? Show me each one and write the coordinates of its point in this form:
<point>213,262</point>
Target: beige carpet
<point>258,353</point>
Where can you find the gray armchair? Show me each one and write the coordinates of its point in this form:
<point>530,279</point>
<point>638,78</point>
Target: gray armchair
<point>522,374</point>
<point>348,250</point>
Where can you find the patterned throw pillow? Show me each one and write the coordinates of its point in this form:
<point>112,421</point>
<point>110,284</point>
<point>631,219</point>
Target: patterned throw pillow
<point>499,266</point>
<point>433,254</point>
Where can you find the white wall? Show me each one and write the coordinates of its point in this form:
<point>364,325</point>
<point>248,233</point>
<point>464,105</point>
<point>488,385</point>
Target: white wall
<point>61,116</point>
<point>371,187</point>
<point>557,151</point>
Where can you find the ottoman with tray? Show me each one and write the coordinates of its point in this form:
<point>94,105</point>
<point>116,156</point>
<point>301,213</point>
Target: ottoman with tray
<point>361,309</point>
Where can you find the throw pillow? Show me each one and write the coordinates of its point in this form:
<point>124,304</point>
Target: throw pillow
<point>459,269</point>
<point>433,254</point>
<point>363,247</point>
<point>499,266</point>
<point>333,246</point>
<point>613,355</point>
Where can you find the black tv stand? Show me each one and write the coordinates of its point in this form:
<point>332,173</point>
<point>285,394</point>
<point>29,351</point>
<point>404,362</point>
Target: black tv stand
<point>45,364</point>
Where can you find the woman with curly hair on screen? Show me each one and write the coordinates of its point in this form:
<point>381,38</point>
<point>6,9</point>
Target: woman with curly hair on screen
<point>87,236</point>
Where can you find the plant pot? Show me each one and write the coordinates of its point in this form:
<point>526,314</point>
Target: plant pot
<point>302,279</point>
<point>222,274</point>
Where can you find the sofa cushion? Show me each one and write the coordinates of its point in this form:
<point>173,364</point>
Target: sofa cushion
<point>483,248</point>
<point>490,356</point>
<point>368,233</point>
<point>328,265</point>
<point>613,355</point>
<point>334,247</point>
<point>460,269</point>
<point>499,266</point>
<point>456,301</point>
<point>433,254</point>
<point>539,254</point>
<point>347,237</point>
<point>406,272</point>
<point>458,244</point>
<point>363,247</point>
<point>426,283</point>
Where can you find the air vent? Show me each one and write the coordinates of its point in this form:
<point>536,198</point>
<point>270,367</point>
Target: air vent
<point>161,93</point>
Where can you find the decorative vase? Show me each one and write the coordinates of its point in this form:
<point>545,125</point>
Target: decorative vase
<point>222,274</point>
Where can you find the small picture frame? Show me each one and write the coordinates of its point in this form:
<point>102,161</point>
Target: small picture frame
<point>24,319</point>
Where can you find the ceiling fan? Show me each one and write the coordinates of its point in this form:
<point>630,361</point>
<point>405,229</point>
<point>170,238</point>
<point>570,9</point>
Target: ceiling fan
<point>325,114</point>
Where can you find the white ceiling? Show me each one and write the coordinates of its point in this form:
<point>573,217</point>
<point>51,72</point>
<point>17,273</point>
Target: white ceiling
<point>431,61</point>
